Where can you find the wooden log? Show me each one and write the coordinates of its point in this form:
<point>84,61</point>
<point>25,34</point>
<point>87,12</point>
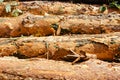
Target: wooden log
<point>36,25</point>
<point>89,24</point>
<point>24,26</point>
<point>57,8</point>
<point>37,69</point>
<point>104,47</point>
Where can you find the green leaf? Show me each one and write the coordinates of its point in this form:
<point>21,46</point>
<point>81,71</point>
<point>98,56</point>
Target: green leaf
<point>115,4</point>
<point>8,8</point>
<point>55,26</point>
<point>102,8</point>
<point>16,12</point>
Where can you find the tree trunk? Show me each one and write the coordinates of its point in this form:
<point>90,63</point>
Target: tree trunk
<point>42,69</point>
<point>29,24</point>
<point>57,8</point>
<point>104,47</point>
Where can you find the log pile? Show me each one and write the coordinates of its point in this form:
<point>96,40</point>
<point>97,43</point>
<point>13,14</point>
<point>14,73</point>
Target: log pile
<point>48,36</point>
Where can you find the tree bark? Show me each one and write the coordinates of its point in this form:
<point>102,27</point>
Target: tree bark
<point>57,8</point>
<point>104,47</point>
<point>46,58</point>
<point>38,69</point>
<point>36,25</point>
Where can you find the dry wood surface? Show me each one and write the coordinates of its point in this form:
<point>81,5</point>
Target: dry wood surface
<point>42,69</point>
<point>29,24</point>
<point>48,37</point>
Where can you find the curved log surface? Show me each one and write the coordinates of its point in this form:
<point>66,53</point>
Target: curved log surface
<point>38,69</point>
<point>104,47</point>
<point>82,33</point>
<point>29,24</point>
<point>57,8</point>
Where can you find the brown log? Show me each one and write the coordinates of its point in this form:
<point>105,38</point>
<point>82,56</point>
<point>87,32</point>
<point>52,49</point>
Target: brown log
<point>104,47</point>
<point>36,25</point>
<point>37,69</point>
<point>90,24</point>
<point>57,8</point>
<point>24,25</point>
<point>31,50</point>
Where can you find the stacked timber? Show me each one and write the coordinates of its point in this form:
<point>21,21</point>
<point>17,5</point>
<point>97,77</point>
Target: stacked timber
<point>48,34</point>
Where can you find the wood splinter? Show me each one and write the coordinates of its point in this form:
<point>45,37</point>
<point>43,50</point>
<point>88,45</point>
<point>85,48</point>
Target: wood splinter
<point>81,56</point>
<point>47,51</point>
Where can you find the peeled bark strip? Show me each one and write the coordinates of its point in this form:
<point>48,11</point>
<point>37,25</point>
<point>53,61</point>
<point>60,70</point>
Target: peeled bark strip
<point>104,47</point>
<point>38,69</point>
<point>57,8</point>
<point>36,25</point>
